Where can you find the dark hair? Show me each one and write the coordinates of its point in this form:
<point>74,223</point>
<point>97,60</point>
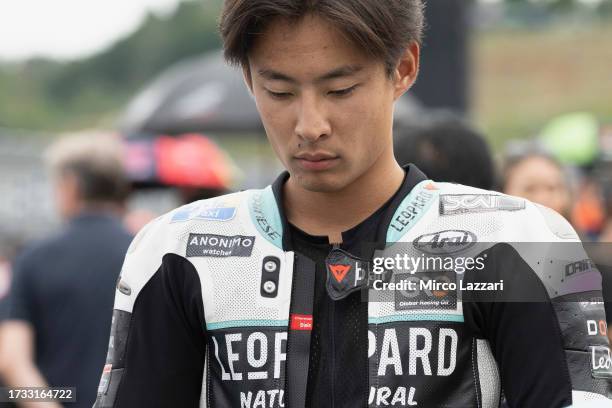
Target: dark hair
<point>446,148</point>
<point>95,160</point>
<point>98,185</point>
<point>382,28</point>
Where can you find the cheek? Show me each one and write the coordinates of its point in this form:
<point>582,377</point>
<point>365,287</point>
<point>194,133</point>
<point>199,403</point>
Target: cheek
<point>269,116</point>
<point>277,124</point>
<point>367,120</point>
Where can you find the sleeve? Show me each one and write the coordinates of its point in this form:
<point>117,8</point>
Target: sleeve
<point>5,283</point>
<point>19,302</point>
<point>575,287</point>
<point>157,343</point>
<point>524,335</point>
<point>548,328</point>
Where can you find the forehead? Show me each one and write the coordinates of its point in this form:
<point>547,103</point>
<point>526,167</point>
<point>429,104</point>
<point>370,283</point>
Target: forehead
<point>537,168</point>
<point>306,47</point>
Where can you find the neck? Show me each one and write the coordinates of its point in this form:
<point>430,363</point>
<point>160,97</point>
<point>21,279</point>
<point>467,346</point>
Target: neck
<point>331,213</point>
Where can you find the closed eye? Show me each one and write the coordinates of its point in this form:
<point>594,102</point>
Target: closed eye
<point>343,92</point>
<point>279,95</point>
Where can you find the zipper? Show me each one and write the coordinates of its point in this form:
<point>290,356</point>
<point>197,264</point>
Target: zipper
<point>332,322</point>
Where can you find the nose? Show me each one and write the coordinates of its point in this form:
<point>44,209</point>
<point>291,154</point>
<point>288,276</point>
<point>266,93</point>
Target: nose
<point>312,123</point>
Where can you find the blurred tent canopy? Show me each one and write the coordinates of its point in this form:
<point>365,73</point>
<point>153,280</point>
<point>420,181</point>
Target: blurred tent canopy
<point>202,94</point>
<point>197,94</point>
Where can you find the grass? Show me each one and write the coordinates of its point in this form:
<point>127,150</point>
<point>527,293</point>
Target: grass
<point>522,78</point>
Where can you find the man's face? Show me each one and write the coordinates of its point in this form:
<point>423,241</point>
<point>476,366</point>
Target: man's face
<point>326,106</point>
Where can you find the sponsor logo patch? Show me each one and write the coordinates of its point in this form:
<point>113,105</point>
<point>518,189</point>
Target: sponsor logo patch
<point>212,245</point>
<point>477,203</point>
<point>300,322</point>
<point>105,380</point>
<point>262,220</point>
<point>339,271</point>
<point>577,268</point>
<point>345,273</point>
<point>432,290</point>
<point>601,362</point>
<point>445,242</point>
<point>215,211</point>
<point>597,327</point>
<point>411,211</point>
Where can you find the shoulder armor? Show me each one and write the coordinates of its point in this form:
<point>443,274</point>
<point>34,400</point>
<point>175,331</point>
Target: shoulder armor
<point>169,233</point>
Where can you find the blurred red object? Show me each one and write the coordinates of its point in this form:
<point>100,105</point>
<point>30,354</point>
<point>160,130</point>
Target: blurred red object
<point>190,161</point>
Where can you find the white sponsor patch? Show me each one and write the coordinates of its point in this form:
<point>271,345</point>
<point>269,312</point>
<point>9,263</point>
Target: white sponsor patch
<point>445,242</point>
<point>212,245</point>
<point>477,203</point>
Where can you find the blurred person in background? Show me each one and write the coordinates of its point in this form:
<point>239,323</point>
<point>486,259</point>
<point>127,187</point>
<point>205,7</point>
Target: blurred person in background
<point>589,213</point>
<point>542,179</point>
<point>445,147</point>
<point>606,235</point>
<point>56,329</point>
<point>9,245</point>
<point>539,178</point>
<point>604,176</point>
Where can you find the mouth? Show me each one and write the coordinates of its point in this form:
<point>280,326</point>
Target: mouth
<point>317,161</point>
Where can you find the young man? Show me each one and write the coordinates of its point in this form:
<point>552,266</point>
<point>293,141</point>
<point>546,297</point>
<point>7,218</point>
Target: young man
<point>260,299</point>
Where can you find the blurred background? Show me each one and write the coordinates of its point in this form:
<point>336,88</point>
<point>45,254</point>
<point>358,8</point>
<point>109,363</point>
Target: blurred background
<point>152,70</point>
<point>516,92</point>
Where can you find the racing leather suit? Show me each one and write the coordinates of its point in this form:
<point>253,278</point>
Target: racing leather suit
<point>215,309</point>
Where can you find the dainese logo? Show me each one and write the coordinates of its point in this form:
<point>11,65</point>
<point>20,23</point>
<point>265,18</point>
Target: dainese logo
<point>339,271</point>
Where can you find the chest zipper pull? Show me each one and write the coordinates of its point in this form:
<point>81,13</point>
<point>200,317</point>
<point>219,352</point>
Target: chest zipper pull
<point>335,240</point>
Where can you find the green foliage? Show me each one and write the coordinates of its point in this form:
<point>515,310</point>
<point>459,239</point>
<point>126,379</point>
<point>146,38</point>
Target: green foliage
<point>525,77</point>
<point>48,95</point>
<point>522,77</point>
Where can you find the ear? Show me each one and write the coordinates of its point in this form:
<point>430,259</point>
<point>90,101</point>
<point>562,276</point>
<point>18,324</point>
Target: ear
<point>71,187</point>
<point>246,74</point>
<point>407,69</point>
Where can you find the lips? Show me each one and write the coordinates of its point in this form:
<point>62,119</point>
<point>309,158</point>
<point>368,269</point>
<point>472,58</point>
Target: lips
<point>315,157</point>
<point>317,161</point>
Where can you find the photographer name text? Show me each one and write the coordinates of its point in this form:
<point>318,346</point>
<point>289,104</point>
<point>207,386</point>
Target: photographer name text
<point>441,286</point>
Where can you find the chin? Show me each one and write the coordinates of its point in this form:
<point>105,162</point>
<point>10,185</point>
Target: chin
<point>321,183</point>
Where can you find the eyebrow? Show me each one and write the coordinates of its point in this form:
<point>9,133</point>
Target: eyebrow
<point>340,72</point>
